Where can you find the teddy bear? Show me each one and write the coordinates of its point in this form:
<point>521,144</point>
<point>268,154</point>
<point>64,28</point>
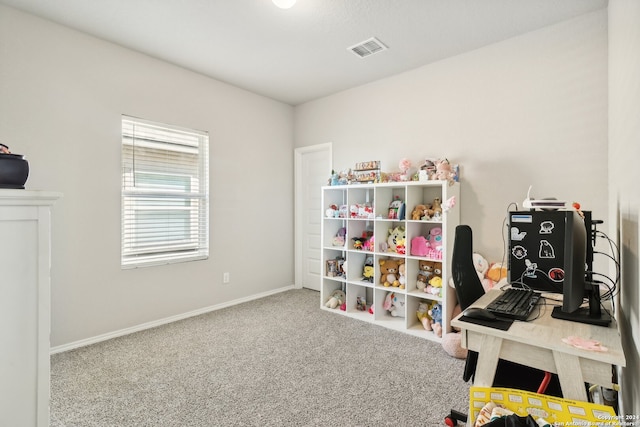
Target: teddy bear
<point>419,212</point>
<point>395,234</point>
<point>336,299</point>
<point>423,315</point>
<point>394,304</point>
<point>436,316</point>
<point>389,272</point>
<point>425,271</point>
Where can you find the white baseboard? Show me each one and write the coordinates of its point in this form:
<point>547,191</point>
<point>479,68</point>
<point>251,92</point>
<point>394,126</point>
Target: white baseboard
<point>155,323</point>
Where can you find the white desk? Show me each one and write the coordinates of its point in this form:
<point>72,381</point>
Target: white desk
<point>539,344</point>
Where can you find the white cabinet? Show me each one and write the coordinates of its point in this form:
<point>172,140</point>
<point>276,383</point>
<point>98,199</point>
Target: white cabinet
<point>357,223</point>
<point>25,306</point>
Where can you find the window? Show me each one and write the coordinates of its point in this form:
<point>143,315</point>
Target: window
<point>165,194</point>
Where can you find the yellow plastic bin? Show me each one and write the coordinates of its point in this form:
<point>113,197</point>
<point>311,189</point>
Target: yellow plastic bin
<point>555,410</point>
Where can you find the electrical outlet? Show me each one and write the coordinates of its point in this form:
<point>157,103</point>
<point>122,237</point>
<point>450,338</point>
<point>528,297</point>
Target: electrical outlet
<point>225,278</point>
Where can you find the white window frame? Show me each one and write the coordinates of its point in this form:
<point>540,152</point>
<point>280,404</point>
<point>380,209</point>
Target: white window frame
<point>165,194</point>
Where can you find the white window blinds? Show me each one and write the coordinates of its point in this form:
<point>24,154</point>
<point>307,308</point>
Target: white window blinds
<point>165,193</point>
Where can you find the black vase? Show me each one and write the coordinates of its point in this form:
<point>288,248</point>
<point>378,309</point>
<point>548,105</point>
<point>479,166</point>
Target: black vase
<point>14,171</point>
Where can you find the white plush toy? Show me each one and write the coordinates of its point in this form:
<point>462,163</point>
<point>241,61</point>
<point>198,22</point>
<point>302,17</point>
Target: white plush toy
<point>336,299</point>
<point>394,303</point>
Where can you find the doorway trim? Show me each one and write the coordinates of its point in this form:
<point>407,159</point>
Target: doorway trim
<point>298,208</point>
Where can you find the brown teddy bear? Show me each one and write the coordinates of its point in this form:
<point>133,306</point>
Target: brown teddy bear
<point>425,272</point>
<point>389,272</point>
<point>419,212</point>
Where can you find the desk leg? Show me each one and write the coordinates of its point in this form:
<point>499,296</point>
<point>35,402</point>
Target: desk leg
<point>487,361</point>
<point>570,376</point>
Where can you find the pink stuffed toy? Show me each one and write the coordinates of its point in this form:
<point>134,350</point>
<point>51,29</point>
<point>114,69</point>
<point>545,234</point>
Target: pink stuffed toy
<point>419,246</point>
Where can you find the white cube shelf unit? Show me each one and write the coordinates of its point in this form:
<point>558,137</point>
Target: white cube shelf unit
<point>367,209</point>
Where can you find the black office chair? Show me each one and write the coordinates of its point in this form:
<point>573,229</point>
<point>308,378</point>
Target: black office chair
<point>466,282</point>
<point>468,289</point>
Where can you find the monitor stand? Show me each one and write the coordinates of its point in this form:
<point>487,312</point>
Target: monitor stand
<point>592,315</point>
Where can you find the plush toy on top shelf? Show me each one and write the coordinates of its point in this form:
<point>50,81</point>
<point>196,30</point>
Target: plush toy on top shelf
<point>445,172</point>
<point>427,170</point>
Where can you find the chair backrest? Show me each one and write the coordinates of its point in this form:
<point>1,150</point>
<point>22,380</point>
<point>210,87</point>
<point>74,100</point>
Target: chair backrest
<point>465,277</point>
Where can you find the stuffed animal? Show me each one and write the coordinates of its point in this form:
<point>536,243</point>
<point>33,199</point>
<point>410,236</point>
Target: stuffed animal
<point>419,212</point>
<point>369,245</point>
<point>497,274</point>
<point>452,341</point>
<point>336,299</point>
<point>436,209</point>
<point>435,238</point>
<point>419,246</point>
<point>423,316</point>
<point>425,271</point>
<point>402,278</point>
<point>368,270</point>
<point>389,272</point>
<point>480,264</point>
<point>482,267</point>
<point>394,304</point>
<point>444,171</point>
<point>338,240</point>
<point>436,316</point>
<point>395,234</point>
<point>435,286</point>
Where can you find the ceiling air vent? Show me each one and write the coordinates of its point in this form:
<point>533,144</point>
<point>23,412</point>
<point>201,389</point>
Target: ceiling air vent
<point>368,47</point>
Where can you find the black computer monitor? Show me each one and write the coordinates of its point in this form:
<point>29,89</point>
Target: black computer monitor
<point>576,287</point>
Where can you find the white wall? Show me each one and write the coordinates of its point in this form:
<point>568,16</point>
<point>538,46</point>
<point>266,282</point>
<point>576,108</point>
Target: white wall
<point>62,94</point>
<point>624,176</point>
<point>529,110</point>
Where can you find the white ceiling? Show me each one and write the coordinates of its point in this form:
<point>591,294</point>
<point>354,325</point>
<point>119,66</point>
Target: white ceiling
<point>301,54</point>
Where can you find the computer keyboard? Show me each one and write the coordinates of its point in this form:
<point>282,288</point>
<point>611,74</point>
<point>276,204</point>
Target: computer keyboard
<point>514,303</point>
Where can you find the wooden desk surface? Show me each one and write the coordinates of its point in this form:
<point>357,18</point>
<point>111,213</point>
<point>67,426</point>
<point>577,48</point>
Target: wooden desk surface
<point>538,343</point>
<point>547,332</point>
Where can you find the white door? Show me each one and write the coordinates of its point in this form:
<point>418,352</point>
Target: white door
<point>312,171</point>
